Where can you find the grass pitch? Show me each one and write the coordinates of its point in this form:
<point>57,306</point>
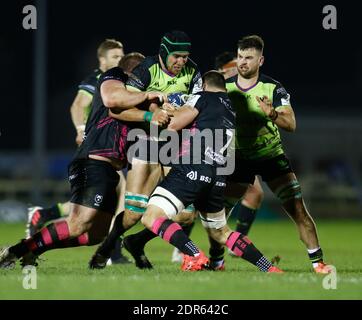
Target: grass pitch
<point>64,273</point>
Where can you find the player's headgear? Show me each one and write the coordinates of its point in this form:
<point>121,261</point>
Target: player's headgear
<point>174,41</point>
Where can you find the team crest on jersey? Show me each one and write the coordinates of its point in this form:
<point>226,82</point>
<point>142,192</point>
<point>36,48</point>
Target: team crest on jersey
<point>98,199</point>
<point>192,175</point>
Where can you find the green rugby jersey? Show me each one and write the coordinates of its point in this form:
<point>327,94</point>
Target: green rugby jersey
<point>149,76</point>
<point>256,135</point>
<point>88,87</point>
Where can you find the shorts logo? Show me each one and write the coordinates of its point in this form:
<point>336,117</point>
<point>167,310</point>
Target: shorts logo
<point>192,175</point>
<point>98,199</point>
<point>206,179</point>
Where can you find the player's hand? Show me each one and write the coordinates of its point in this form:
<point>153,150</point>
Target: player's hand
<point>156,97</point>
<point>79,137</point>
<point>160,117</point>
<point>169,108</point>
<point>265,105</point>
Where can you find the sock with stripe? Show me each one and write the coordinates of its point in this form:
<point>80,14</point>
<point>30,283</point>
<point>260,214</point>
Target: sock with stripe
<point>53,236</point>
<point>216,253</point>
<point>172,232</point>
<point>315,256</point>
<point>244,248</point>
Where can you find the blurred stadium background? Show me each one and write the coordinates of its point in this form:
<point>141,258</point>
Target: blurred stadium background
<point>42,68</point>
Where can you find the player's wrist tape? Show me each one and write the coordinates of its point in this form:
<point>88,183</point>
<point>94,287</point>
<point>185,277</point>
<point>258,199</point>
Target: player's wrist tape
<point>273,115</point>
<point>81,127</point>
<point>148,116</point>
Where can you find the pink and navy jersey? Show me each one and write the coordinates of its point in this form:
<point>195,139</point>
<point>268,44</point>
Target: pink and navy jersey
<point>104,135</point>
<point>212,131</point>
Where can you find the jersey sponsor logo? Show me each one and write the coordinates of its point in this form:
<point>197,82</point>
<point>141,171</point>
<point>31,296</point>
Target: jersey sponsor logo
<point>98,199</point>
<point>214,156</point>
<point>192,175</point>
<point>220,184</point>
<point>172,82</point>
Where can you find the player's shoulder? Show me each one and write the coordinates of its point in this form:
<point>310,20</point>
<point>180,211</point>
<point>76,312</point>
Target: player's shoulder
<point>93,76</point>
<point>115,73</point>
<point>231,80</point>
<point>267,79</point>
<point>191,64</point>
<point>149,61</point>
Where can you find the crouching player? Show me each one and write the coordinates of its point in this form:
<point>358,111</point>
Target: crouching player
<point>195,179</point>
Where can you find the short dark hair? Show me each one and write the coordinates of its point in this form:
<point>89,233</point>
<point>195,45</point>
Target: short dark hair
<point>224,58</point>
<point>106,45</point>
<point>250,42</point>
<point>130,61</point>
<point>214,78</point>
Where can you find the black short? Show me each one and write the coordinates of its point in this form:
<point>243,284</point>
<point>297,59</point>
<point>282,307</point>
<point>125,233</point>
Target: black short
<point>268,169</point>
<point>93,184</point>
<point>197,184</point>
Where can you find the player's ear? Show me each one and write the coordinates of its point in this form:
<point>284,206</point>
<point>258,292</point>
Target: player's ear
<point>261,61</point>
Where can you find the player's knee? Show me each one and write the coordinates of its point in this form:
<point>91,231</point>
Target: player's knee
<point>219,235</point>
<point>166,202</point>
<point>253,197</point>
<point>186,216</point>
<point>147,220</point>
<point>76,226</point>
<point>290,193</point>
<point>136,203</point>
<point>216,225</point>
<point>130,218</point>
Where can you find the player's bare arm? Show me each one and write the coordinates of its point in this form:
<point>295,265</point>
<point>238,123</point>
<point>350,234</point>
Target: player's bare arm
<point>158,116</point>
<point>182,117</point>
<point>282,116</point>
<point>77,111</point>
<point>114,94</point>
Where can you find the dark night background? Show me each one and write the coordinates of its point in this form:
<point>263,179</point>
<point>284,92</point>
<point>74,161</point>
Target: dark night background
<point>320,68</point>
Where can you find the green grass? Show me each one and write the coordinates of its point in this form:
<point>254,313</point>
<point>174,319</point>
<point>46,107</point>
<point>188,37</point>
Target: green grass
<point>64,273</point>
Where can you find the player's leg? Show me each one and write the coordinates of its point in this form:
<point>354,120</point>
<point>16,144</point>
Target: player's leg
<point>135,243</point>
<point>170,198</point>
<point>287,189</point>
<point>249,205</point>
<point>38,216</point>
<point>117,256</point>
<point>218,230</point>
<point>84,226</point>
<point>93,201</point>
<point>141,180</point>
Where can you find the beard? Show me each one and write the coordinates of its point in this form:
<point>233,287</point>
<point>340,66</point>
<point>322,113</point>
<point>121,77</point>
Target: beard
<point>247,73</point>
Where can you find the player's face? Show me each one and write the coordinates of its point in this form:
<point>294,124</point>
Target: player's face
<point>248,62</point>
<point>176,61</point>
<point>229,70</point>
<point>112,58</point>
